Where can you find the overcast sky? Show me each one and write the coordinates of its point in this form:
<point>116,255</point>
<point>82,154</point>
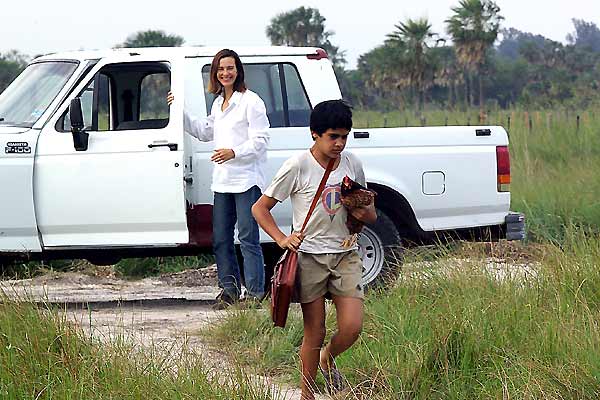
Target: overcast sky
<point>39,27</point>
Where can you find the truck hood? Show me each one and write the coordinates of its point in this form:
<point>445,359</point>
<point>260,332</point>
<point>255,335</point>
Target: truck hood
<point>7,129</point>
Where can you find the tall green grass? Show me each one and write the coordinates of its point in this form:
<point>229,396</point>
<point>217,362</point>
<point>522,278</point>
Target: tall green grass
<point>458,331</point>
<point>43,357</point>
<point>554,161</point>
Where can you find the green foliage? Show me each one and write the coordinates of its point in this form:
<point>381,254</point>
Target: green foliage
<point>303,26</point>
<point>144,267</point>
<point>474,28</point>
<point>152,38</point>
<point>412,39</point>
<point>127,268</point>
<point>586,35</point>
<point>11,65</point>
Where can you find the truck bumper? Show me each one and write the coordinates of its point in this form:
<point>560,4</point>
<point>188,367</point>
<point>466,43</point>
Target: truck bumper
<point>515,226</point>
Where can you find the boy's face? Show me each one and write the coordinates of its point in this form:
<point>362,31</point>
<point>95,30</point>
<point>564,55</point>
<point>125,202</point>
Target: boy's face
<point>331,142</point>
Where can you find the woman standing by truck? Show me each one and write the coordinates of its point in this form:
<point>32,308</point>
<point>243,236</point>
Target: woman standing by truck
<point>239,125</point>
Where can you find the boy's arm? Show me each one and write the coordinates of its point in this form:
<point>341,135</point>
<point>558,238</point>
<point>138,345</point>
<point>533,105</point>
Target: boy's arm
<point>261,210</point>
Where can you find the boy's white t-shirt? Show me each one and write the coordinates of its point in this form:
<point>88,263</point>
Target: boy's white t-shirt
<point>299,179</point>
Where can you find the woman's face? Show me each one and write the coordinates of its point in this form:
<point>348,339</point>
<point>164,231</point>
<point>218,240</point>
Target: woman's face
<point>227,72</point>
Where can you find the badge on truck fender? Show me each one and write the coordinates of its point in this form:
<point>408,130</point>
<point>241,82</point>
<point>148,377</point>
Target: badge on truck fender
<point>17,148</point>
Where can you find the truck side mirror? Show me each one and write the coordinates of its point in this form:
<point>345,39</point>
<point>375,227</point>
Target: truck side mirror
<point>80,137</point>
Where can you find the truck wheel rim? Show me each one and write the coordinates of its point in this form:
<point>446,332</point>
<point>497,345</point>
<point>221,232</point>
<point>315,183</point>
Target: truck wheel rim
<point>372,254</point>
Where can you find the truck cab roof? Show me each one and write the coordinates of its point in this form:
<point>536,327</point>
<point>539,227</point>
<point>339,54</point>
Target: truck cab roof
<point>199,51</point>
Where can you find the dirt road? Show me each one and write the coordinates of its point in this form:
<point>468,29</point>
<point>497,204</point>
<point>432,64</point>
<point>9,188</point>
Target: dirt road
<point>165,312</point>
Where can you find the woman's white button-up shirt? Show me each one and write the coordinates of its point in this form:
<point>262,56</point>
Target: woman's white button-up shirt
<point>243,127</point>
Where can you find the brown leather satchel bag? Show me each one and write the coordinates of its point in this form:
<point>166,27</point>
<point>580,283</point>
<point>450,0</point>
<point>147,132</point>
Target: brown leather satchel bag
<point>284,278</point>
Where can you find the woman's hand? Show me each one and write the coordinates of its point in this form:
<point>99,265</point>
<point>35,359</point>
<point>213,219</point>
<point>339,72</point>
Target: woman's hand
<point>291,242</point>
<point>222,155</point>
<point>170,97</point>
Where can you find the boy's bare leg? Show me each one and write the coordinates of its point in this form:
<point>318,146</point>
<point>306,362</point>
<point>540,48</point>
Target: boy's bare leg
<point>314,333</point>
<point>349,314</point>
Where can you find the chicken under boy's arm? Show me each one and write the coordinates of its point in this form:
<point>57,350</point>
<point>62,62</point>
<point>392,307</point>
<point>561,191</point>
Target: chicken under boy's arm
<point>360,204</point>
<point>366,214</point>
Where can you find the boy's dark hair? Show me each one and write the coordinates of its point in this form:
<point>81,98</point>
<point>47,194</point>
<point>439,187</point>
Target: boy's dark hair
<point>330,114</point>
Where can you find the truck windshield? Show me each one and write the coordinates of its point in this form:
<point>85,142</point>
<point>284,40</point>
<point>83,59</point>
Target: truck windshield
<point>30,94</point>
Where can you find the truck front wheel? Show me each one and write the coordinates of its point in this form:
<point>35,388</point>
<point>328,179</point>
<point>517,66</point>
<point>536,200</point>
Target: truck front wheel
<point>379,247</point>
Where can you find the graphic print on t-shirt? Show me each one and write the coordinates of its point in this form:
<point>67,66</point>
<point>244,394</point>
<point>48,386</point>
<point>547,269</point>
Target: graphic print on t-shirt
<point>331,199</point>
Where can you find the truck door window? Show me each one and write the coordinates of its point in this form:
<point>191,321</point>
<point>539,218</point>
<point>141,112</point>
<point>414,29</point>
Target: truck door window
<point>279,85</point>
<point>298,106</point>
<point>98,120</point>
<point>128,96</point>
<point>153,92</point>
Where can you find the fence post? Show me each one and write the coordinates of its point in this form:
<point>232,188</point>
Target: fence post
<point>423,120</point>
<point>508,122</point>
<point>578,123</point>
<point>385,122</point>
<point>468,121</point>
<point>446,121</point>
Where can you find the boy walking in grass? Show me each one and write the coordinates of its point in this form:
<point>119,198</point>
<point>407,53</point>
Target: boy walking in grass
<point>328,263</point>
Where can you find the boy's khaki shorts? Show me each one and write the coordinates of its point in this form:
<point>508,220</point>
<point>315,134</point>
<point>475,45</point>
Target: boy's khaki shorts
<point>338,274</point>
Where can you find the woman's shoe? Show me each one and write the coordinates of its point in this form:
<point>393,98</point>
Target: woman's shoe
<point>224,301</point>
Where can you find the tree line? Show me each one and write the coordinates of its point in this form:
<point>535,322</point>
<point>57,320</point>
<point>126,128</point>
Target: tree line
<point>475,62</point>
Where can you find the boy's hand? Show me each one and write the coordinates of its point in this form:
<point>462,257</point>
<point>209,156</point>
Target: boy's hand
<point>291,242</point>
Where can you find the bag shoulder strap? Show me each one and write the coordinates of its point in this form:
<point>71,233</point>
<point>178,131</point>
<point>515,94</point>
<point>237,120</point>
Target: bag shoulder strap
<point>319,191</point>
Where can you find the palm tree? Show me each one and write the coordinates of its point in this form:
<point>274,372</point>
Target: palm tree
<point>383,72</point>
<point>152,38</point>
<point>447,74</point>
<point>413,36</point>
<point>474,29</point>
<point>303,26</point>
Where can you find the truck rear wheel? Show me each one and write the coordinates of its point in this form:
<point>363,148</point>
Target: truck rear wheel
<point>379,246</point>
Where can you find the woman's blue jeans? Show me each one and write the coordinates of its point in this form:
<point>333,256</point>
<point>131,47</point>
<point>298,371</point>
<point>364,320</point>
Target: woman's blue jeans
<point>228,209</point>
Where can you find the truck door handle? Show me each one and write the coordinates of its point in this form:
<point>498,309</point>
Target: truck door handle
<point>171,146</point>
<point>361,135</point>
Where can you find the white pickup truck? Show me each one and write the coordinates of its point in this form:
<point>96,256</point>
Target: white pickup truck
<point>129,182</point>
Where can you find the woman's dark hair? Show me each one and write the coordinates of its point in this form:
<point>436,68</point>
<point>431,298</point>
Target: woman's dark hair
<point>214,86</point>
<point>330,114</point>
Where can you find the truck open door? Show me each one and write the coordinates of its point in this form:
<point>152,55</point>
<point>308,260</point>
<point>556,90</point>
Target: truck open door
<point>121,183</point>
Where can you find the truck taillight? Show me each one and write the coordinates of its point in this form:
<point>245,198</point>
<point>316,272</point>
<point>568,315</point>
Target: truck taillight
<point>503,168</point>
<point>317,55</point>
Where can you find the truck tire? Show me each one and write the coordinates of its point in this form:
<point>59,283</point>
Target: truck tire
<point>379,246</point>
